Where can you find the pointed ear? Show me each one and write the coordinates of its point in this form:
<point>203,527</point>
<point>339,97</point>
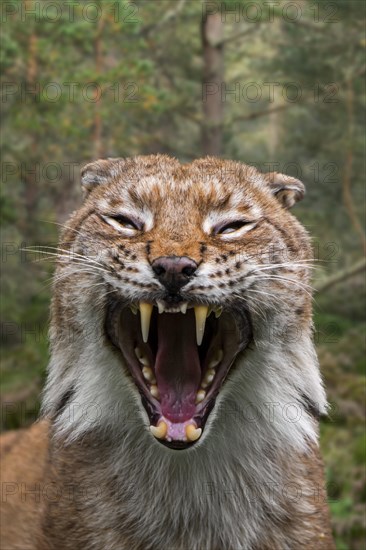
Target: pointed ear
<point>98,173</point>
<point>286,189</point>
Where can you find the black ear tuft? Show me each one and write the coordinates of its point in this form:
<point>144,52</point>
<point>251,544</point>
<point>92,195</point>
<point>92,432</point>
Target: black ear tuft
<point>287,190</point>
<point>98,173</point>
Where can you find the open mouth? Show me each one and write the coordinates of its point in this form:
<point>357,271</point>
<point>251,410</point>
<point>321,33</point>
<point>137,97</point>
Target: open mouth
<point>178,358</point>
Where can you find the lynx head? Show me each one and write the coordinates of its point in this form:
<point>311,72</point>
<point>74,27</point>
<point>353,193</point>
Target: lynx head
<point>190,280</point>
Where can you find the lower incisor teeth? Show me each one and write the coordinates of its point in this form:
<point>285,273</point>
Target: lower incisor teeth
<point>159,431</point>
<point>193,433</point>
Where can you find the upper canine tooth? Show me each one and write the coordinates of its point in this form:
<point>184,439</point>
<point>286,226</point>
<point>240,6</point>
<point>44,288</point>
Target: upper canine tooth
<point>145,314</point>
<point>159,431</point>
<point>201,314</point>
<point>160,305</point>
<point>183,307</point>
<point>218,312</point>
<point>192,432</point>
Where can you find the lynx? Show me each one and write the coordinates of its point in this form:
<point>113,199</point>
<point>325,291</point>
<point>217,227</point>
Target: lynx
<point>183,392</point>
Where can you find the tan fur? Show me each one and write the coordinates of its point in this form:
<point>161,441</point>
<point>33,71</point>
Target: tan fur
<point>23,456</point>
<point>74,459</point>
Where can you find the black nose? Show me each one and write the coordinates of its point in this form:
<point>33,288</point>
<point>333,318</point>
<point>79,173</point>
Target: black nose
<point>174,271</point>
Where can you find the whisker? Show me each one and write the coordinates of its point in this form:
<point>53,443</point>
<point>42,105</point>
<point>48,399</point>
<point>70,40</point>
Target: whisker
<point>64,226</point>
<point>261,292</point>
<point>305,288</point>
<point>78,262</point>
<point>263,254</point>
<point>255,306</point>
<point>287,264</point>
<point>57,277</point>
<point>66,254</point>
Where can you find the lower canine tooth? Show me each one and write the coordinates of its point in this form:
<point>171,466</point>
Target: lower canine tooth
<point>193,433</point>
<point>148,374</point>
<point>201,394</point>
<point>154,391</point>
<point>159,431</point>
<point>201,314</point>
<point>145,314</point>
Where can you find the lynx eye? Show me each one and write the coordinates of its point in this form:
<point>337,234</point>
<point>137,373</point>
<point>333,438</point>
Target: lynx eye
<point>125,222</point>
<point>122,222</point>
<point>233,226</point>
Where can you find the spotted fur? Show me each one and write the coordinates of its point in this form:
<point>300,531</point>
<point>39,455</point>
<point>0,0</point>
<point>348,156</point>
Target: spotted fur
<point>254,481</point>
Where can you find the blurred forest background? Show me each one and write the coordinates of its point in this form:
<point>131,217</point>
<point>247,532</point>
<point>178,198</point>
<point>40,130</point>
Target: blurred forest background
<point>276,84</point>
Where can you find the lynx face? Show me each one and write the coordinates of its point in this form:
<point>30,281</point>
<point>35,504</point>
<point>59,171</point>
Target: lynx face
<point>192,265</point>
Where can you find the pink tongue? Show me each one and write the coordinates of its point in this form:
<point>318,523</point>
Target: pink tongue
<point>177,365</point>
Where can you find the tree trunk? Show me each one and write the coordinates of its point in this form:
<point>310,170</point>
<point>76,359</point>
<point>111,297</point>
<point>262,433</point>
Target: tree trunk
<point>213,79</point>
<point>32,164</point>
<point>347,175</point>
<point>98,124</point>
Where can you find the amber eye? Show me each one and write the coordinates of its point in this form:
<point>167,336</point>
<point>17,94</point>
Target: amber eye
<point>231,227</point>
